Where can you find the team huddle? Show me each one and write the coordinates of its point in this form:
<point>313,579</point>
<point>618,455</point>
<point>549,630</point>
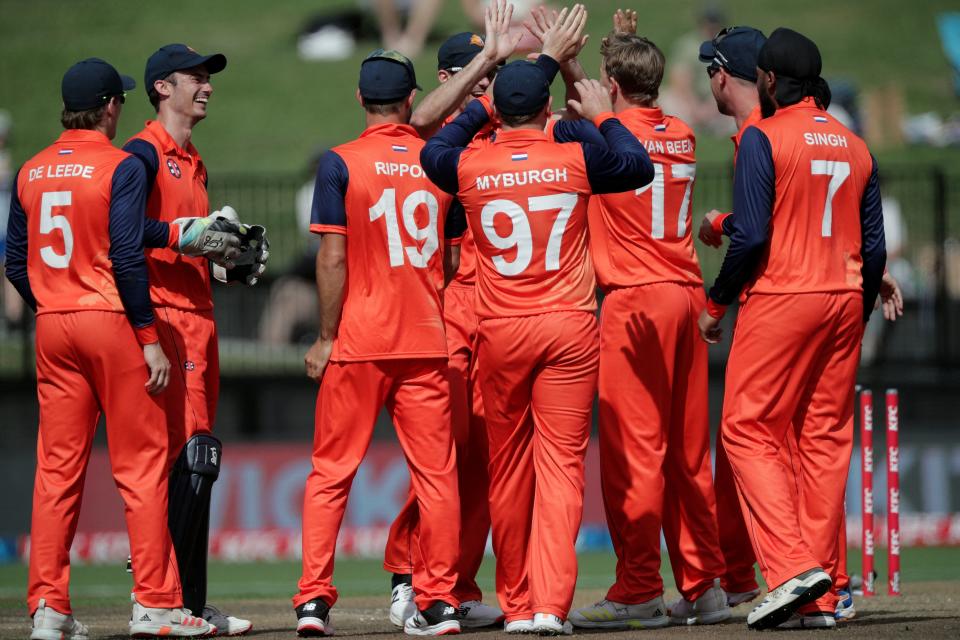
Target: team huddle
<point>462,243</point>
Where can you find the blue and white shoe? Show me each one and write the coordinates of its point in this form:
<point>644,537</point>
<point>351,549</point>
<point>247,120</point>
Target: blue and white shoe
<point>845,609</point>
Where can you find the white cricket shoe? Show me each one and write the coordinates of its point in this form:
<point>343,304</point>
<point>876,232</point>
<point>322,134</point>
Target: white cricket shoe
<point>845,609</point>
<point>736,598</point>
<point>402,605</point>
<point>439,619</point>
<point>226,625</point>
<point>607,614</point>
<point>780,603</point>
<point>147,622</point>
<point>49,624</point>
<point>709,608</point>
<point>547,624</point>
<point>818,620</point>
<point>475,614</point>
<point>518,626</point>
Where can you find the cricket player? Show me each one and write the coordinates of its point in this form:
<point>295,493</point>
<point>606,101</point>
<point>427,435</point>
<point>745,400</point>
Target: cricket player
<point>177,80</point>
<point>732,66</point>
<point>525,199</point>
<point>807,249</point>
<point>654,428</point>
<point>380,271</point>
<point>466,65</point>
<point>76,256</point>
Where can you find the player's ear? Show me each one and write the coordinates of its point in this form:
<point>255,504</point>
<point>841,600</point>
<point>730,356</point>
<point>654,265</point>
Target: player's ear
<point>614,89</point>
<point>549,108</point>
<point>443,75</point>
<point>359,98</point>
<point>410,99</point>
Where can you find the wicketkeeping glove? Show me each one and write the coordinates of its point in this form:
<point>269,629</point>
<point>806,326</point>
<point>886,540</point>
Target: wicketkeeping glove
<point>216,238</point>
<point>251,261</point>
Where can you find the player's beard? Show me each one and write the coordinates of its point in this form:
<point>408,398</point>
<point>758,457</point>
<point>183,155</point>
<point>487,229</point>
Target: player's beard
<point>767,106</point>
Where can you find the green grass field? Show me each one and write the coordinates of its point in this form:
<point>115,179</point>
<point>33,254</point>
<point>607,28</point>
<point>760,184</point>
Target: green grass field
<point>271,110</point>
<point>100,584</point>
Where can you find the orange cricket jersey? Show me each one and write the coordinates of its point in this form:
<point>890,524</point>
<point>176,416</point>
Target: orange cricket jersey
<point>65,191</point>
<point>643,236</point>
<point>821,171</point>
<point>394,223</point>
<point>526,201</point>
<point>179,191</point>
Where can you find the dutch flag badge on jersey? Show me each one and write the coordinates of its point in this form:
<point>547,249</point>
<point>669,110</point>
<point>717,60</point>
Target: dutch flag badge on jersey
<point>518,156</point>
<point>65,152</point>
<point>820,119</point>
<point>660,127</point>
<point>400,148</point>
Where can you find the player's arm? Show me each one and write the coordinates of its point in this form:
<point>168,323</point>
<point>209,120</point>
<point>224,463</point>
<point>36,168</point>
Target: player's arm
<point>128,201</point>
<point>873,247</point>
<point>328,218</point>
<point>16,262</point>
<point>497,47</point>
<point>211,238</point>
<point>622,163</point>
<point>454,226</point>
<point>578,130</point>
<point>753,194</point>
<point>441,155</point>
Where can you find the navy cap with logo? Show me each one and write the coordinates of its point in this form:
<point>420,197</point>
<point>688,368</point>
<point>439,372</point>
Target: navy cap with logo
<point>736,50</point>
<point>458,50</point>
<point>386,76</point>
<point>177,57</point>
<point>91,83</point>
<point>521,88</point>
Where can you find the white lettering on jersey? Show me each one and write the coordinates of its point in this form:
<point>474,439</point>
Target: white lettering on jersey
<point>61,171</point>
<point>521,178</point>
<point>398,169</point>
<point>825,139</point>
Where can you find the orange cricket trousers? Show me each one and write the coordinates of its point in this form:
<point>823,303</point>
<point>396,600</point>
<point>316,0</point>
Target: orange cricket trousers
<point>538,377</point>
<point>189,338</point>
<point>417,396</point>
<point>88,362</point>
<point>791,368</point>
<point>470,438</point>
<point>740,575</point>
<point>655,440</point>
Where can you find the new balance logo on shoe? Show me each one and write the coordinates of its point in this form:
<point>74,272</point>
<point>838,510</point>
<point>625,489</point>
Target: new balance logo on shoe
<point>449,611</point>
<point>310,606</point>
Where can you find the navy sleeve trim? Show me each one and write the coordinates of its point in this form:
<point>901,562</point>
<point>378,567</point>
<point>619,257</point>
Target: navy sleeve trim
<point>753,196</point>
<point>578,131</point>
<point>873,248</point>
<point>16,259</point>
<point>550,67</point>
<point>128,200</point>
<point>455,224</point>
<point>621,164</point>
<point>147,154</point>
<point>440,157</point>
<point>329,192</point>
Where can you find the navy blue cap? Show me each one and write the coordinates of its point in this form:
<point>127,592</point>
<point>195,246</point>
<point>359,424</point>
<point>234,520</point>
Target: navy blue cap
<point>458,50</point>
<point>91,83</point>
<point>735,49</point>
<point>177,57</point>
<point>521,88</point>
<point>386,76</point>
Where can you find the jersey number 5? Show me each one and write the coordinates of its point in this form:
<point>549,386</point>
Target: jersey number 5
<point>49,222</point>
<point>838,172</point>
<point>386,207</point>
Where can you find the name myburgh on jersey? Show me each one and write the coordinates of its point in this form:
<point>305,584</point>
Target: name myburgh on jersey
<point>71,170</point>
<point>825,139</point>
<point>398,169</point>
<point>520,178</point>
<point>684,145</point>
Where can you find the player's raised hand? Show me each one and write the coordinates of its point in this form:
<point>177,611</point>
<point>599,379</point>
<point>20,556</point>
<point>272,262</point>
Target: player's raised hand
<point>625,21</point>
<point>564,39</point>
<point>891,299</point>
<point>498,43</point>
<point>709,327</point>
<point>594,99</point>
<point>708,234</point>
<point>317,358</point>
<point>158,366</point>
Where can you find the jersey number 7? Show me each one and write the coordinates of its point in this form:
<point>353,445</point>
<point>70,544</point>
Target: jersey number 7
<point>521,235</point>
